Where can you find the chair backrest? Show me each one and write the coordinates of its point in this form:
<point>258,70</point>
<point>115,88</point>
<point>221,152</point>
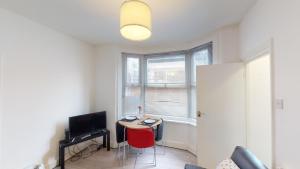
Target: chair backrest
<point>141,138</point>
<point>159,131</point>
<point>244,159</point>
<point>120,133</point>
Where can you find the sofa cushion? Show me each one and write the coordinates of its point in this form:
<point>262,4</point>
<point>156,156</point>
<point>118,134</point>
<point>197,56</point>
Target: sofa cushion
<point>227,164</point>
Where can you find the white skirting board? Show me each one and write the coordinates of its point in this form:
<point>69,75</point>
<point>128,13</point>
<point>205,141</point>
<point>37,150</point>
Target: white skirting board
<point>168,143</point>
<point>179,145</point>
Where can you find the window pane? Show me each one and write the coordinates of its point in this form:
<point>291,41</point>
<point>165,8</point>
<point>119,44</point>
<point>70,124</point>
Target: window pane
<point>166,101</point>
<point>165,91</point>
<point>199,58</point>
<point>193,102</point>
<point>132,99</point>
<point>133,70</point>
<point>166,70</point>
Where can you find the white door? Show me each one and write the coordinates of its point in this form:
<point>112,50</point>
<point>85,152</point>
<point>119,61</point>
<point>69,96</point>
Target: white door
<point>259,108</point>
<point>221,100</point>
<point>1,109</point>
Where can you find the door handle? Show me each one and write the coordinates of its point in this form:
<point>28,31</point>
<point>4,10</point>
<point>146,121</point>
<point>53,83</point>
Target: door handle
<point>200,114</point>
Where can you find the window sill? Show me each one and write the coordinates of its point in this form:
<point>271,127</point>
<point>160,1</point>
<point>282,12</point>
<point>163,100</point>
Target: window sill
<point>180,120</point>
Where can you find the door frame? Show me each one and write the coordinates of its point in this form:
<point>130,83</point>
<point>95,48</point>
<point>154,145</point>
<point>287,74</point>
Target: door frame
<point>266,48</point>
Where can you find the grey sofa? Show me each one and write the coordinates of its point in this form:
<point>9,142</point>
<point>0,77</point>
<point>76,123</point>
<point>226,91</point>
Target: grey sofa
<point>242,157</point>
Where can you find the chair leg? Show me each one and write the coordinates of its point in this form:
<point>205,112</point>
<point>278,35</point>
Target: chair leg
<point>124,148</point>
<point>135,160</point>
<point>118,152</point>
<point>164,147</point>
<point>154,149</point>
<point>128,149</point>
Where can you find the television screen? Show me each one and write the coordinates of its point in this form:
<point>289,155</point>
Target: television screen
<point>87,124</point>
<point>99,120</point>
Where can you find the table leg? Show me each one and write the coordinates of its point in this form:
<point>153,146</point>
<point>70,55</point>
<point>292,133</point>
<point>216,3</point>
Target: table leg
<point>108,140</point>
<point>104,139</point>
<point>62,157</point>
<point>124,147</point>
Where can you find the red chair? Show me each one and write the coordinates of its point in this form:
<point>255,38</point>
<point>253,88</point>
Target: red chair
<point>141,138</point>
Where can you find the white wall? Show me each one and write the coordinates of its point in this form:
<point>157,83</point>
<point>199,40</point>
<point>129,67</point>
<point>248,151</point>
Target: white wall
<point>108,67</point>
<point>47,77</point>
<point>280,21</point>
<point>225,45</point>
<point>109,77</point>
<point>1,111</point>
<point>181,135</point>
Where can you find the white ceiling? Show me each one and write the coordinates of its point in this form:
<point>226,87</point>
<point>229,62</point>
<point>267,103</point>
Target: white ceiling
<point>97,21</point>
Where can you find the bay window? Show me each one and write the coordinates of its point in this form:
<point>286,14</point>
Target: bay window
<point>163,84</point>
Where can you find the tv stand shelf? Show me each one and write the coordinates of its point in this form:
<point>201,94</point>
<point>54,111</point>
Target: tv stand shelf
<point>65,143</point>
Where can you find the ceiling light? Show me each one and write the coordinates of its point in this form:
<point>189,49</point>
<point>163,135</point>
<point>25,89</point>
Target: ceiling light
<point>135,20</point>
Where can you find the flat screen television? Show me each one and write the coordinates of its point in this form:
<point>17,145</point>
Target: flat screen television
<point>87,124</point>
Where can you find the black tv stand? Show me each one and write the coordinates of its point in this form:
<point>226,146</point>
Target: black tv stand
<point>66,143</point>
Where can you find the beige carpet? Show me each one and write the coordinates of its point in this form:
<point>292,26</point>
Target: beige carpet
<point>171,159</point>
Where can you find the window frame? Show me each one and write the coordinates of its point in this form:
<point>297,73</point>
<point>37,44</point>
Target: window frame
<point>188,54</point>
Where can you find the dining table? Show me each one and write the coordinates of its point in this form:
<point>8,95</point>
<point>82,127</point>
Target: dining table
<point>138,123</point>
